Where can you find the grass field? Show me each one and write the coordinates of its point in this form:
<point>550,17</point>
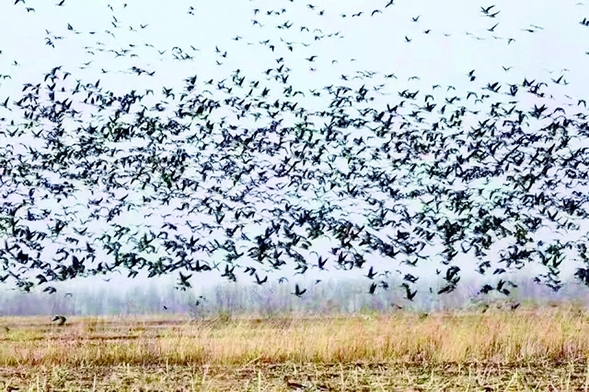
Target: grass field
<point>527,349</point>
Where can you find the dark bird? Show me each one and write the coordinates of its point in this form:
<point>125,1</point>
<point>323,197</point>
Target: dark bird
<point>184,280</point>
<point>298,292</point>
<point>408,293</point>
<point>471,76</point>
<point>371,273</point>
<point>261,281</point>
<point>59,320</point>
<point>50,290</point>
<point>410,278</point>
<point>487,9</point>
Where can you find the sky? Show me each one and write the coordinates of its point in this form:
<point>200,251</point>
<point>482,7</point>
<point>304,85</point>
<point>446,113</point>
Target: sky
<point>439,42</point>
<point>458,40</point>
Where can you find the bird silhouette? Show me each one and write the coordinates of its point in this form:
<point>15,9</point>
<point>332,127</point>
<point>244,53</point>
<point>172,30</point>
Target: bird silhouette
<point>59,320</point>
<point>298,292</point>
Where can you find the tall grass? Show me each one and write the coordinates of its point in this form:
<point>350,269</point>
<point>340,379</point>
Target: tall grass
<point>528,335</point>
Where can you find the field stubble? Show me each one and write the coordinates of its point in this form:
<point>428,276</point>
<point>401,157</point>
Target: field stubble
<point>529,349</point>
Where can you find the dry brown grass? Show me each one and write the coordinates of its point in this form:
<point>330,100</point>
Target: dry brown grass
<point>529,349</point>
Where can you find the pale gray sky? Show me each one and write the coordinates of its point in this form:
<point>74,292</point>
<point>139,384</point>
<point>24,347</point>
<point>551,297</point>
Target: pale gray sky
<point>377,43</point>
<point>104,39</point>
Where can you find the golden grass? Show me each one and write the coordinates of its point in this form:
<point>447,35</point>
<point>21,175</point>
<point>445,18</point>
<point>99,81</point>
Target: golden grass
<point>501,348</point>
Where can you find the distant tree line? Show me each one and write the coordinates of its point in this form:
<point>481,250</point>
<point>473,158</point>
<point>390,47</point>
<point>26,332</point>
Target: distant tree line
<point>347,296</point>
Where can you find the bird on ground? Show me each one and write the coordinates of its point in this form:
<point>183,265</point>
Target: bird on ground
<point>59,320</point>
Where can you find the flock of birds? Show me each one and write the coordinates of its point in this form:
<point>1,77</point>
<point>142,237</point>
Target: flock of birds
<point>254,172</point>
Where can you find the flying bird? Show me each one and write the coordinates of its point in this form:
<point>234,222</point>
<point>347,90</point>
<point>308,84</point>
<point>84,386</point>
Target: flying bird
<point>298,292</point>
